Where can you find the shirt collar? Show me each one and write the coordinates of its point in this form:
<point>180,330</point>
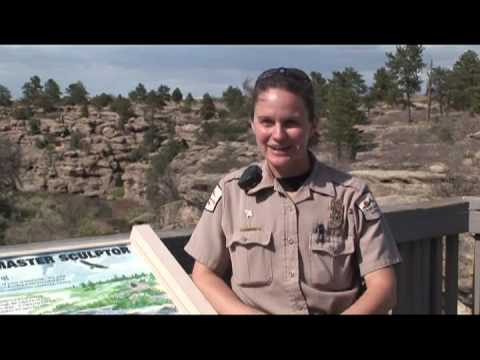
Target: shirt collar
<point>318,181</point>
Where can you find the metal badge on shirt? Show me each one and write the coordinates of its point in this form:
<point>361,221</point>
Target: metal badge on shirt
<point>369,207</point>
<point>214,198</point>
<point>336,214</point>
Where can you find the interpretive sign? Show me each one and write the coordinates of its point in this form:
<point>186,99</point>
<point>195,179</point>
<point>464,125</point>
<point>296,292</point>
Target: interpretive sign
<point>131,276</point>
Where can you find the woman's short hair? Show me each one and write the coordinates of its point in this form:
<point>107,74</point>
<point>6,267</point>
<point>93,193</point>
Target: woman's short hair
<point>290,79</point>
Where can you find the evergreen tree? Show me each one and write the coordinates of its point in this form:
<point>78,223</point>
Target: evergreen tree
<point>343,102</point>
<point>177,95</point>
<point>406,65</point>
<point>385,88</point>
<point>189,100</point>
<point>350,78</point>
<point>369,100</point>
<point>34,125</point>
<point>139,94</point>
<point>164,92</point>
<point>32,90</point>
<point>52,91</point>
<point>465,81</point>
<point>320,90</point>
<point>5,96</point>
<point>84,110</point>
<point>154,102</point>
<point>234,100</point>
<point>207,111</point>
<point>101,101</point>
<point>123,107</point>
<point>10,161</point>
<point>442,87</point>
<point>77,94</point>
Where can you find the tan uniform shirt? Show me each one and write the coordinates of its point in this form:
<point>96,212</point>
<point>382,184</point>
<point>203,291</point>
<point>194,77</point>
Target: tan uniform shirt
<point>302,255</point>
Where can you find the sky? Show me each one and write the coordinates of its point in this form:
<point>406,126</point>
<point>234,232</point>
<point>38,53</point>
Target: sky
<point>197,69</point>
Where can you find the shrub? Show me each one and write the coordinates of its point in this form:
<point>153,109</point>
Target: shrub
<point>223,131</point>
<point>444,134</point>
<point>46,141</point>
<point>118,193</point>
<point>24,113</point>
<point>34,125</point>
<point>75,138</point>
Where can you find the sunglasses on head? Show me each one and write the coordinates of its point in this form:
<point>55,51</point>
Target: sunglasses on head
<point>292,73</point>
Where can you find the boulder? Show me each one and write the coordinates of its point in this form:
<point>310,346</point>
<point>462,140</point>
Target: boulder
<point>138,124</point>
<point>475,136</point>
<point>57,185</point>
<point>439,168</point>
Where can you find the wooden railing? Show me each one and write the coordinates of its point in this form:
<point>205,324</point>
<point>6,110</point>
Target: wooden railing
<point>427,235</point>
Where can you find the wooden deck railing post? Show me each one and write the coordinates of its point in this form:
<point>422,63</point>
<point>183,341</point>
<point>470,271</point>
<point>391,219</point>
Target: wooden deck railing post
<point>476,276</point>
<point>436,275</point>
<point>451,274</point>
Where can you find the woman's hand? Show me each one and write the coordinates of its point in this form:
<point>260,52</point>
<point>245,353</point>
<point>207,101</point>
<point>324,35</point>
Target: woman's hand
<point>218,293</point>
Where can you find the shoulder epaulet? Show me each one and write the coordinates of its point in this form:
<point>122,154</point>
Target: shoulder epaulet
<point>236,174</point>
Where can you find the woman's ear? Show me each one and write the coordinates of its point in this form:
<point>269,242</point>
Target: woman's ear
<point>252,126</point>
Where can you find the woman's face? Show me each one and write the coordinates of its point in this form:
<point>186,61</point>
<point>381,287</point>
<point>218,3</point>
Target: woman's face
<point>282,130</point>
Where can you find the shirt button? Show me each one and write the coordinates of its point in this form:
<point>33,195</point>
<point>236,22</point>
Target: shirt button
<point>292,274</point>
<point>291,241</point>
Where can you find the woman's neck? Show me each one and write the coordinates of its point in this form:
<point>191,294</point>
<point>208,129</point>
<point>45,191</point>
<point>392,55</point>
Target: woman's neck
<point>297,169</point>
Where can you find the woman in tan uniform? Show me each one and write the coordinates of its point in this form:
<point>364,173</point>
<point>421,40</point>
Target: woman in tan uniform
<point>296,236</point>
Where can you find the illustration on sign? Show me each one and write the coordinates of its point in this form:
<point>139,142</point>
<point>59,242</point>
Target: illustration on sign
<point>105,280</point>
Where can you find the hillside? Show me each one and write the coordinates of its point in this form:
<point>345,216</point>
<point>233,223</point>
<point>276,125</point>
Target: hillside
<point>162,171</point>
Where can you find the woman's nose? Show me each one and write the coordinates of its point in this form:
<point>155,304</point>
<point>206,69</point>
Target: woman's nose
<point>278,132</point>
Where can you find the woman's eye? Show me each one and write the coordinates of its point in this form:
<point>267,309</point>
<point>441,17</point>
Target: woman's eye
<point>290,123</point>
<point>266,122</point>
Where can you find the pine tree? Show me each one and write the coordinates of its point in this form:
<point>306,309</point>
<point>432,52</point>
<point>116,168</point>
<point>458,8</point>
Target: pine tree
<point>10,160</point>
<point>343,102</point>
<point>139,94</point>
<point>234,100</point>
<point>84,110</point>
<point>442,87</point>
<point>101,101</point>
<point>123,107</point>
<point>164,92</point>
<point>406,65</point>
<point>189,100</point>
<point>77,94</point>
<point>154,102</point>
<point>320,90</point>
<point>32,90</point>
<point>177,95</point>
<point>207,111</point>
<point>52,91</point>
<point>385,88</point>
<point>5,96</point>
<point>465,81</point>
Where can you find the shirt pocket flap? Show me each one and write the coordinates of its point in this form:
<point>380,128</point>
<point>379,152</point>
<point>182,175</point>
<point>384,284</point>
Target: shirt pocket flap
<point>331,245</point>
<point>250,238</point>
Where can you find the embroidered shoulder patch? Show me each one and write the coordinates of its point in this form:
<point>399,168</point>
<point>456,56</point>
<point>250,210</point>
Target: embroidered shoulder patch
<point>214,198</point>
<point>369,207</point>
